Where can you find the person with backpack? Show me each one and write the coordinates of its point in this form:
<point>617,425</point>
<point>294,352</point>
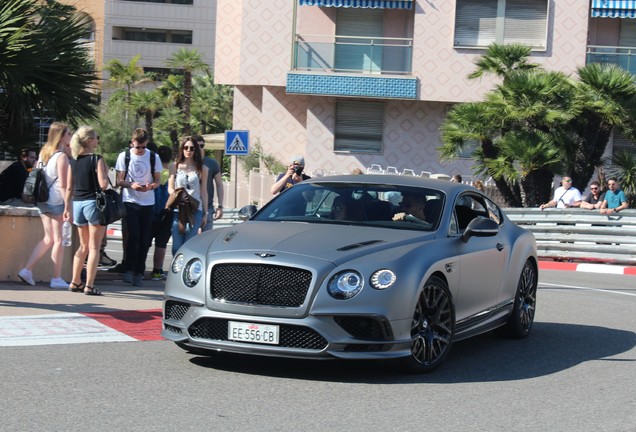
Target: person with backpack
<point>162,217</point>
<point>137,177</point>
<point>54,157</point>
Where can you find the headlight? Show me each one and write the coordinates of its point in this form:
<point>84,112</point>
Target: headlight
<point>345,285</point>
<point>382,279</point>
<point>177,263</point>
<point>192,272</point>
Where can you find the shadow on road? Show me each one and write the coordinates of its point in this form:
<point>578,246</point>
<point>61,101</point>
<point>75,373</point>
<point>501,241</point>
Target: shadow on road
<point>551,348</point>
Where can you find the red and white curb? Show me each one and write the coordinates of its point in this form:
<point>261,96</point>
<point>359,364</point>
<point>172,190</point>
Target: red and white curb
<point>113,233</point>
<point>72,328</point>
<point>587,267</point>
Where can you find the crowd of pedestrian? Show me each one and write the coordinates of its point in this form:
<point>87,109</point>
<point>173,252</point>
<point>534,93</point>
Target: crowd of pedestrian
<point>146,177</point>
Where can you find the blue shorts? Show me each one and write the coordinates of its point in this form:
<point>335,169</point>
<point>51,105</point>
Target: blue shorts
<point>85,212</point>
<point>50,209</point>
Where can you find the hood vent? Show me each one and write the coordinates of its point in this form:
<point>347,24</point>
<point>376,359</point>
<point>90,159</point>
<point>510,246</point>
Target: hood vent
<point>357,245</point>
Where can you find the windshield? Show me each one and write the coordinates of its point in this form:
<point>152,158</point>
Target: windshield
<point>360,204</point>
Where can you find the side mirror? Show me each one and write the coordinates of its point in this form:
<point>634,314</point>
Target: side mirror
<point>480,227</point>
<point>247,212</point>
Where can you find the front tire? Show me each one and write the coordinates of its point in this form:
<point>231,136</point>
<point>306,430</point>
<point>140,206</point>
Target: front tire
<point>432,328</point>
<point>522,317</point>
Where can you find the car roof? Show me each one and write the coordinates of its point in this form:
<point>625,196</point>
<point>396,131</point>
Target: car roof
<point>446,186</point>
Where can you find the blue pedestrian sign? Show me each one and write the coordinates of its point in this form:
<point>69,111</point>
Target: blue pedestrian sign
<point>237,142</point>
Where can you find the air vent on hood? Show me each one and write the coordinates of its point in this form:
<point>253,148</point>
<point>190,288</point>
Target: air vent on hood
<point>357,245</point>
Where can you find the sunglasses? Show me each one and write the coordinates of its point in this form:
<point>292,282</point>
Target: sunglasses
<point>140,147</point>
<point>594,188</point>
<point>189,148</point>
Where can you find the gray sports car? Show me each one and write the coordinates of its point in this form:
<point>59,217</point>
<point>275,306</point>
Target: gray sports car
<point>355,267</point>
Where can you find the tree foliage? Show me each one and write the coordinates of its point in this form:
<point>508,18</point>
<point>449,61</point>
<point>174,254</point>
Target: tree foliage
<point>539,123</point>
<point>45,69</point>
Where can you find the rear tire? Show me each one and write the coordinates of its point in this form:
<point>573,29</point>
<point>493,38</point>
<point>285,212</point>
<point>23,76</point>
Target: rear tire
<point>522,317</point>
<point>432,328</point>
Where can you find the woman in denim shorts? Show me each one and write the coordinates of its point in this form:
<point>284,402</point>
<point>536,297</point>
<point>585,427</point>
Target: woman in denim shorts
<point>54,157</point>
<point>86,167</point>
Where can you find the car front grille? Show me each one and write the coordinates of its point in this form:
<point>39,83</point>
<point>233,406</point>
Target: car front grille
<point>260,284</point>
<point>291,336</point>
<point>175,310</point>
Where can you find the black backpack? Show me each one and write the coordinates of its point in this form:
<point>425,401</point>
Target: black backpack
<point>35,188</point>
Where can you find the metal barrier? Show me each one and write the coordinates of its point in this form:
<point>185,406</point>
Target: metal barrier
<point>580,235</point>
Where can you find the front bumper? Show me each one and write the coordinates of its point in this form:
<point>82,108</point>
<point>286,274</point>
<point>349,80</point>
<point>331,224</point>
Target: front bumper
<point>350,336</point>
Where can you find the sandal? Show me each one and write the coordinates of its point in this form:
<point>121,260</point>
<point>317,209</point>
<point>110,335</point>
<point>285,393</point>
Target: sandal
<point>92,291</point>
<point>77,287</point>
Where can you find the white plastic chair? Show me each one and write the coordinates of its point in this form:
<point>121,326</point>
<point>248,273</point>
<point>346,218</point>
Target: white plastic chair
<point>408,172</point>
<point>318,173</point>
<point>391,170</point>
<point>375,169</point>
<point>425,174</point>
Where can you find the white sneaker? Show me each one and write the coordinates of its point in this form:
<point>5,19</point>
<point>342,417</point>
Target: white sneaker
<point>58,283</point>
<point>26,276</point>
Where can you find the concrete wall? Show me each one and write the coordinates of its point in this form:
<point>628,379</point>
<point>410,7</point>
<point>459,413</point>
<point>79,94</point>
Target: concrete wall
<point>21,229</point>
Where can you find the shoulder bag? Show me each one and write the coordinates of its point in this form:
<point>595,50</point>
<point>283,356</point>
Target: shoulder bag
<point>108,202</point>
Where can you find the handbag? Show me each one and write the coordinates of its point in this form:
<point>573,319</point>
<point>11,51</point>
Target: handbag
<point>109,204</point>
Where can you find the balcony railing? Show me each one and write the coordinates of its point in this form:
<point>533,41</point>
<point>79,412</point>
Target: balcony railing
<point>353,54</point>
<point>624,57</point>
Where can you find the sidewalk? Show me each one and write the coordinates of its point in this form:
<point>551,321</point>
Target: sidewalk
<point>20,299</point>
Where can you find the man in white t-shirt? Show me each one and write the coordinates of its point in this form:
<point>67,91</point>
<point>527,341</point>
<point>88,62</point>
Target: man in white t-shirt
<point>138,177</point>
<point>565,196</point>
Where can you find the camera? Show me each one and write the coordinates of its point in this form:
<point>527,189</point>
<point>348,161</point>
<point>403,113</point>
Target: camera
<point>298,169</point>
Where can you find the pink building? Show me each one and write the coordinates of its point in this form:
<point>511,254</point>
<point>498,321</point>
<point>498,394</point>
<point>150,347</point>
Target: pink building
<point>351,83</point>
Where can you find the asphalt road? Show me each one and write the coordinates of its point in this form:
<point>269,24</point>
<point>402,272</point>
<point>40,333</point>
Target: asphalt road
<point>576,372</point>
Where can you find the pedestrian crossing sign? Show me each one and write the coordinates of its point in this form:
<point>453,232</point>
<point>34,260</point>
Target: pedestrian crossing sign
<point>237,142</point>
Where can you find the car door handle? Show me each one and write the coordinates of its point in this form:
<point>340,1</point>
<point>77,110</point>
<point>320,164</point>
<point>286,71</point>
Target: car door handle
<point>500,247</point>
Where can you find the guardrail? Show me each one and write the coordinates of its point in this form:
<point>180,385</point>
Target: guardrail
<point>579,234</point>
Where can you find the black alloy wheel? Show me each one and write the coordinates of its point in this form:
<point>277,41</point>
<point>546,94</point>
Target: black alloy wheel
<point>432,328</point>
<point>520,322</point>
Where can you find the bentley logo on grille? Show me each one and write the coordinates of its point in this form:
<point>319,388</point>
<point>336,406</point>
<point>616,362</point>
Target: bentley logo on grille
<point>264,255</point>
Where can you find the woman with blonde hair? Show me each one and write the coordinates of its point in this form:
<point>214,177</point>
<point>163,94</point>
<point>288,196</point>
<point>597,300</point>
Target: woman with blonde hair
<point>86,169</point>
<point>54,157</point>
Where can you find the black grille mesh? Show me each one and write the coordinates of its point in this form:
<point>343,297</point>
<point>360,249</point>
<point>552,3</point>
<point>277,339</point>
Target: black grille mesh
<point>173,329</point>
<point>175,310</point>
<point>291,336</point>
<point>367,328</point>
<point>258,284</point>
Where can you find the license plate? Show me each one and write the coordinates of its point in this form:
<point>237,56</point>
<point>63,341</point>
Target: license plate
<point>251,332</point>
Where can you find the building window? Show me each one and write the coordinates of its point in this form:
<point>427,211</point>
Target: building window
<point>359,126</point>
<point>479,23</point>
<point>152,35</point>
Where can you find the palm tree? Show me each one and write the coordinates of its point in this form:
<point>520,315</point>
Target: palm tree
<point>501,60</point>
<point>45,70</point>
<point>127,76</point>
<point>170,121</point>
<point>147,103</point>
<point>607,97</point>
<point>211,105</point>
<point>189,61</point>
